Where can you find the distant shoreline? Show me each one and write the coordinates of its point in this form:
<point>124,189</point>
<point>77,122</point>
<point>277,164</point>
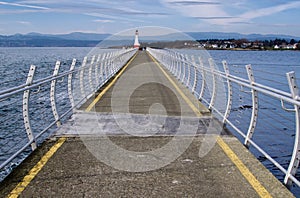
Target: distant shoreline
<point>241,49</point>
<point>214,40</point>
<point>209,49</point>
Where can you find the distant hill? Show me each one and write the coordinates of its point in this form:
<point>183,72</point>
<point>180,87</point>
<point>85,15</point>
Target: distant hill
<point>251,37</point>
<point>79,39</point>
<point>72,36</point>
<point>75,39</point>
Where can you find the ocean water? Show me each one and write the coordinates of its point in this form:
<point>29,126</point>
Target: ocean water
<point>275,129</point>
<point>14,67</point>
<point>274,132</point>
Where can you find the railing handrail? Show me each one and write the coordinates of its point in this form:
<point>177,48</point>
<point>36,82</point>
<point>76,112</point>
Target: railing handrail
<point>232,77</point>
<point>36,83</point>
<point>176,62</point>
<point>110,65</point>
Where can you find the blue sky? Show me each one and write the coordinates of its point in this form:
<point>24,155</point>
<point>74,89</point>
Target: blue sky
<point>100,16</point>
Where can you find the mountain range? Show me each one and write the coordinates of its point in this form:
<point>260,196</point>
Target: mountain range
<point>79,39</point>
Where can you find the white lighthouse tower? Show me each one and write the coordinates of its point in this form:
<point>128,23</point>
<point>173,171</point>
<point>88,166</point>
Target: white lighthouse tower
<point>136,40</point>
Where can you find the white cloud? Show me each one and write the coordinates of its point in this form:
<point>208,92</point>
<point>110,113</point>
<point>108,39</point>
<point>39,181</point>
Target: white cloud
<point>214,12</point>
<point>103,21</point>
<point>3,11</point>
<point>112,17</point>
<point>23,5</point>
<point>24,22</point>
<point>270,10</point>
<point>253,14</point>
<point>209,8</point>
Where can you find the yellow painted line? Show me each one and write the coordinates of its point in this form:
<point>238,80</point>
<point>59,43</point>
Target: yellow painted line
<point>89,108</point>
<point>257,186</point>
<point>186,99</point>
<point>38,167</point>
<point>35,170</point>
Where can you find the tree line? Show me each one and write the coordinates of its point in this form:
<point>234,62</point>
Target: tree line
<point>247,44</point>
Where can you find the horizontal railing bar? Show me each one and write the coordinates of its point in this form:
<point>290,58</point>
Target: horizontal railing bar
<point>230,77</point>
<point>220,73</point>
<point>24,87</point>
<point>15,90</point>
<point>37,136</point>
<point>169,58</point>
<point>257,147</point>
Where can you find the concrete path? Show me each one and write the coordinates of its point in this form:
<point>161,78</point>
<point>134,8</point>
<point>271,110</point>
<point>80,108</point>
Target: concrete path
<point>145,137</point>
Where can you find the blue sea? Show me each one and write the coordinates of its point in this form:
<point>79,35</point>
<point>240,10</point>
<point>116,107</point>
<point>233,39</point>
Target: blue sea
<point>275,129</point>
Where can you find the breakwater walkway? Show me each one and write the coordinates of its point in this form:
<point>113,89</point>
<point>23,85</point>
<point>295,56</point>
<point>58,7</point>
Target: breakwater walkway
<point>142,135</point>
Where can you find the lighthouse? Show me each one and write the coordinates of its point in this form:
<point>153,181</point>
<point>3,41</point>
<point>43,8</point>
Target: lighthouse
<point>136,40</point>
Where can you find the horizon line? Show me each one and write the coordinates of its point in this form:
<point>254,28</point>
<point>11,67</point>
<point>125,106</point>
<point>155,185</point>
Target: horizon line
<point>187,32</point>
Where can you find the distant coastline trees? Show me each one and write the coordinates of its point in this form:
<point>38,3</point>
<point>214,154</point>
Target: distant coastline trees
<point>276,44</point>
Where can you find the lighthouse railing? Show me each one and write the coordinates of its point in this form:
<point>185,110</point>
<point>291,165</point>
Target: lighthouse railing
<point>259,115</point>
<point>31,112</point>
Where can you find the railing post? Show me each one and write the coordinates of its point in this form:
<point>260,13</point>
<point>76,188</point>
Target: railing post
<point>96,70</point>
<point>183,67</point>
<point>214,91</point>
<point>254,115</point>
<point>173,57</point>
<point>195,74</point>
<point>26,118</point>
<point>108,66</point>
<point>90,73</point>
<point>189,73</point>
<point>105,66</point>
<point>52,94</point>
<point>294,163</point>
<point>203,83</point>
<point>166,62</point>
<point>102,68</point>
<point>112,62</point>
<point>111,58</point>
<point>170,61</point>
<point>229,92</point>
<point>115,63</point>
<point>180,67</point>
<point>121,57</point>
<point>177,65</point>
<point>70,78</point>
<point>165,58</point>
<point>175,70</point>
<point>81,77</point>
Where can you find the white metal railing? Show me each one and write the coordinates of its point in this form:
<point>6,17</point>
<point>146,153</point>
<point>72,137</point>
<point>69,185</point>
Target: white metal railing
<point>237,101</point>
<point>39,98</point>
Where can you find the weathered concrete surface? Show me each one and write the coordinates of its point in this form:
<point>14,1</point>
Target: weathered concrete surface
<point>98,124</point>
<point>74,171</point>
<point>144,89</point>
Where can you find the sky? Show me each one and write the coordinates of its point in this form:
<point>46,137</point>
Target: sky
<point>102,16</point>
